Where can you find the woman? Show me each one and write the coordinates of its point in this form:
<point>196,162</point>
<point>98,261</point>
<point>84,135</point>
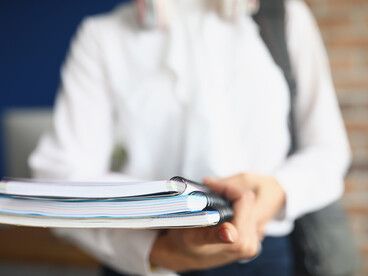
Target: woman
<point>198,96</point>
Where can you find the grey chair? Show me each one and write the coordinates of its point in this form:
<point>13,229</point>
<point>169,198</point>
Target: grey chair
<point>21,130</point>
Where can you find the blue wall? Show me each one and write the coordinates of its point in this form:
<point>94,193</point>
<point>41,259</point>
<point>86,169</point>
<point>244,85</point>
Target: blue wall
<point>34,37</point>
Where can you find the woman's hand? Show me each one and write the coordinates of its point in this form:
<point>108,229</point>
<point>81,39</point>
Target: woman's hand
<point>270,196</point>
<point>201,248</point>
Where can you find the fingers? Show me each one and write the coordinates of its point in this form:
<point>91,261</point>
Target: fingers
<point>241,190</point>
<point>225,233</point>
<point>244,211</point>
<point>224,243</point>
<point>245,221</point>
<point>230,188</point>
<point>228,233</point>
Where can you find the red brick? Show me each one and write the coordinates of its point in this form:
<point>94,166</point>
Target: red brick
<point>358,209</point>
<point>341,64</point>
<point>352,84</point>
<point>347,3</point>
<point>361,125</point>
<point>349,42</point>
<point>364,251</point>
<point>333,22</point>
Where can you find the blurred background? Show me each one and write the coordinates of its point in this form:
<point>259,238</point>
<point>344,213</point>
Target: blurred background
<point>34,38</point>
<point>344,27</point>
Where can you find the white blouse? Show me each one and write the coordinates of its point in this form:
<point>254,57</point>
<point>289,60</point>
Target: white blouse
<point>200,98</point>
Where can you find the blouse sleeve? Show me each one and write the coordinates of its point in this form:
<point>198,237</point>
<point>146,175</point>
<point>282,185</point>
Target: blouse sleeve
<point>313,176</point>
<point>80,145</point>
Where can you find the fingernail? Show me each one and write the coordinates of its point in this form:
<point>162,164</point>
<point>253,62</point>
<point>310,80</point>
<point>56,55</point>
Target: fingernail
<point>226,236</point>
<point>229,235</point>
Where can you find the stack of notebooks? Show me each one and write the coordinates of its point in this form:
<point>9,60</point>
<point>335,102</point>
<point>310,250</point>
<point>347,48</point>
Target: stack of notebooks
<point>173,203</point>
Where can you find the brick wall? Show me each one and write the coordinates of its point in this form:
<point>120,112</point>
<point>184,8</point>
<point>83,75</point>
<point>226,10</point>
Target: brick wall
<point>344,27</point>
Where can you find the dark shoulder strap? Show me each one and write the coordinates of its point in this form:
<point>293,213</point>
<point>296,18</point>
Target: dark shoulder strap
<point>271,21</point>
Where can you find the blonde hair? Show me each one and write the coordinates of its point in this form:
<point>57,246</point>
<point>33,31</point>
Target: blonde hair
<point>157,13</point>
